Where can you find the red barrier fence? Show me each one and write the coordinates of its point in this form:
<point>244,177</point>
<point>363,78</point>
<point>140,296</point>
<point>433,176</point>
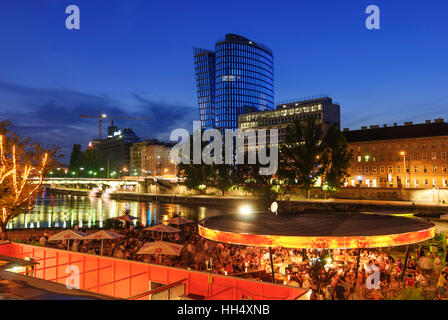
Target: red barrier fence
<point>125,278</point>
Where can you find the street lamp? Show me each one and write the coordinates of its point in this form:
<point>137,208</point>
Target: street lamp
<point>403,153</point>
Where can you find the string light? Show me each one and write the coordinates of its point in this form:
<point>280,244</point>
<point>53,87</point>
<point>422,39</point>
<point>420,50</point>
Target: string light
<point>19,175</point>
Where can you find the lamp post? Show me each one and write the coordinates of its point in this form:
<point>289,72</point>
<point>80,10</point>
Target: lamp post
<point>403,153</point>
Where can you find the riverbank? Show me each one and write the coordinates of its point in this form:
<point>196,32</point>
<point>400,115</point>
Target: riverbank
<point>233,203</point>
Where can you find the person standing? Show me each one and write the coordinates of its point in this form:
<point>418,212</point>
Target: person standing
<point>441,283</point>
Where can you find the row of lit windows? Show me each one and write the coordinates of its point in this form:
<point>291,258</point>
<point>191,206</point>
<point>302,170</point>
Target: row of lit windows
<point>373,182</point>
<point>399,157</point>
<point>390,169</point>
<point>415,145</point>
<point>281,113</point>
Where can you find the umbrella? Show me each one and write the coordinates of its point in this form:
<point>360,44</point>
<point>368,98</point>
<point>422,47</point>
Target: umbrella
<point>67,235</point>
<point>179,221</point>
<point>103,234</point>
<point>162,228</point>
<point>125,218</point>
<point>161,247</point>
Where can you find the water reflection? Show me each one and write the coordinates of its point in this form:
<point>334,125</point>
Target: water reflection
<point>65,211</point>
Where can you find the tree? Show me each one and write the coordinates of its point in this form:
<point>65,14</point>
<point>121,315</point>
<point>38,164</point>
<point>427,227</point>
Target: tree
<point>336,160</point>
<point>263,187</point>
<point>194,175</point>
<point>76,157</point>
<point>222,177</point>
<point>23,165</point>
<point>301,160</point>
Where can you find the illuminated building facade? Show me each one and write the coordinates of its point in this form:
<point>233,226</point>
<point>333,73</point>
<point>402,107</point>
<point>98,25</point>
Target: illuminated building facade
<point>115,150</point>
<point>406,156</point>
<point>151,158</point>
<point>236,78</point>
<point>322,109</point>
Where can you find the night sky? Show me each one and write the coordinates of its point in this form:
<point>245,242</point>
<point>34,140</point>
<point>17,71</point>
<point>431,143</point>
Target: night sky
<point>134,58</point>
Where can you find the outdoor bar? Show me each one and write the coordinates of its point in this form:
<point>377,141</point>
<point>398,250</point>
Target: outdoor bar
<point>317,230</point>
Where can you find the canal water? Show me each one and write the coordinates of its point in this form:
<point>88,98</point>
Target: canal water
<point>65,211</point>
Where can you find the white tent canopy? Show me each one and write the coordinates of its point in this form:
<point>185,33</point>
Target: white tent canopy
<point>67,235</point>
<point>162,228</point>
<point>179,221</point>
<point>101,235</point>
<point>161,247</point>
<point>126,217</point>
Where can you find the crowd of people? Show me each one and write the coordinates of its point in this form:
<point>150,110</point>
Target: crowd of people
<point>330,275</point>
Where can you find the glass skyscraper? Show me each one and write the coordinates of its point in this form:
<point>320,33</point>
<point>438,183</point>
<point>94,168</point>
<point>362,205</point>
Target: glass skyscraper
<point>236,78</point>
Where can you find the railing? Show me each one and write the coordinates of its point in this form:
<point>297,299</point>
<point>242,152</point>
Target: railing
<point>158,290</point>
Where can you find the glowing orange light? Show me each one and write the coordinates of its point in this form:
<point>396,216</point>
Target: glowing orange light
<point>318,242</point>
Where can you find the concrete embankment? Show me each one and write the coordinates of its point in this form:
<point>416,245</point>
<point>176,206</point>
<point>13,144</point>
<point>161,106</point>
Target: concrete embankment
<point>337,205</point>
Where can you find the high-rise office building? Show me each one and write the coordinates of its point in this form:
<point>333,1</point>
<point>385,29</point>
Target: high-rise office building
<point>236,78</point>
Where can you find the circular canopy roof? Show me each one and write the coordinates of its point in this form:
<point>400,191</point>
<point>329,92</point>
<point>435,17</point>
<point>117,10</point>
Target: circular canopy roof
<point>317,230</point>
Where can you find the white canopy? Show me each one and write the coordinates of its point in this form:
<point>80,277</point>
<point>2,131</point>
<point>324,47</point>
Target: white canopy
<point>161,247</point>
<point>67,235</point>
<point>103,234</point>
<point>125,217</point>
<point>179,221</point>
<point>162,228</point>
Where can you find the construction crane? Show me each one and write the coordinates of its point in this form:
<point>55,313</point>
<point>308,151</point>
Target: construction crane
<point>102,116</point>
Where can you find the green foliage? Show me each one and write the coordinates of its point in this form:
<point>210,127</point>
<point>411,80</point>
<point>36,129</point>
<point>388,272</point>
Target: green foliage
<point>76,160</point>
<point>90,161</point>
<point>336,159</point>
<point>301,161</point>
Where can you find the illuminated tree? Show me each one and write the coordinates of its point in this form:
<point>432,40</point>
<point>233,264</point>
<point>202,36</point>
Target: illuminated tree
<point>22,168</point>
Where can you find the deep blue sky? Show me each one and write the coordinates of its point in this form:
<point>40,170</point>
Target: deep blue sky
<point>134,57</point>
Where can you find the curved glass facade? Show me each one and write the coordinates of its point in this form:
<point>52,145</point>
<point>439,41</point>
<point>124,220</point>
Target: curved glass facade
<point>237,78</point>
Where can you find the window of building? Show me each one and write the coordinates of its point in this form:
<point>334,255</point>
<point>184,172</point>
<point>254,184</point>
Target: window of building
<point>443,156</point>
<point>415,156</point>
<point>415,182</point>
<point>374,158</point>
<point>444,169</point>
<point>366,158</point>
<point>444,181</point>
<point>359,170</point>
<point>433,156</point>
<point>382,158</point>
<point>382,169</point>
<point>425,169</point>
<point>366,170</point>
<point>374,170</point>
<point>389,157</point>
<point>443,144</point>
<point>425,182</point>
<point>423,145</point>
<point>424,156</point>
<point>390,169</point>
<point>398,169</point>
<point>415,169</point>
<point>359,158</point>
<point>434,145</point>
<point>434,169</point>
